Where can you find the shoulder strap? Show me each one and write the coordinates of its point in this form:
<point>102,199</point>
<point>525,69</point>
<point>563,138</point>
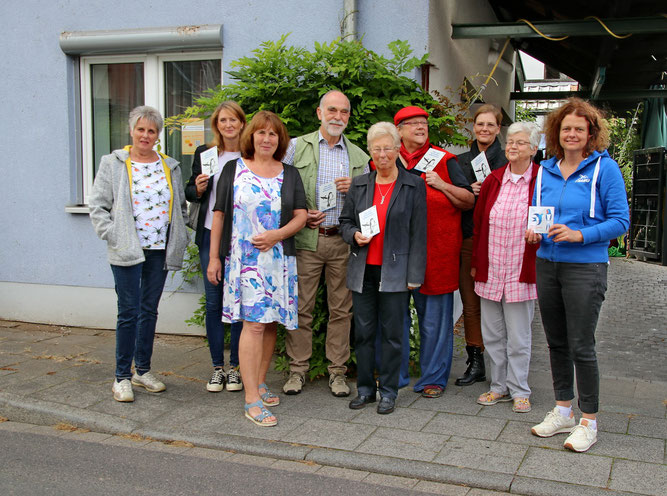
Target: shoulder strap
<point>538,188</point>
<point>594,188</point>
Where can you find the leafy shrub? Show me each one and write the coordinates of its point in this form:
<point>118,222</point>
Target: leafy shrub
<point>290,81</point>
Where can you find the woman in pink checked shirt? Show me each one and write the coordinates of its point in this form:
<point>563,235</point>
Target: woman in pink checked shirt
<point>503,266</point>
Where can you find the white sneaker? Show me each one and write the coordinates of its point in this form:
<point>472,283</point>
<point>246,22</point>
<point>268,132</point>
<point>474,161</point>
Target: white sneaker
<point>148,381</point>
<point>217,381</point>
<point>122,391</point>
<point>581,438</point>
<point>553,423</point>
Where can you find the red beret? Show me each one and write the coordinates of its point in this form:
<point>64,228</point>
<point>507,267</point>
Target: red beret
<point>407,112</point>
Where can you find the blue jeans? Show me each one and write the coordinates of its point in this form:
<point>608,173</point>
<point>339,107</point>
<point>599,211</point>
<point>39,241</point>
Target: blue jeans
<point>436,332</point>
<point>139,288</point>
<point>215,331</point>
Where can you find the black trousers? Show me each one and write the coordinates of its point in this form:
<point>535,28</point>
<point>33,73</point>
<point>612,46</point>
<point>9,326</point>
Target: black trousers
<point>388,309</point>
<point>570,297</point>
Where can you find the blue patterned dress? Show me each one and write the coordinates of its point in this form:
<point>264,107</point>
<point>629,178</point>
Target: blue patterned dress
<point>258,286</point>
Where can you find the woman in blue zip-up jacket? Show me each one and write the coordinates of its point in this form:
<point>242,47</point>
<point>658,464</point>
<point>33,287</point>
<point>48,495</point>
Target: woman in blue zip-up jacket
<point>585,186</point>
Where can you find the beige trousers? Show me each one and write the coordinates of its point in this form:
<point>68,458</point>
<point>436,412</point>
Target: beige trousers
<point>331,256</point>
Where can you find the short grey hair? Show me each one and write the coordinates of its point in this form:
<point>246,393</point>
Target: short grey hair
<point>530,128</point>
<point>324,97</point>
<point>381,129</point>
<point>151,114</point>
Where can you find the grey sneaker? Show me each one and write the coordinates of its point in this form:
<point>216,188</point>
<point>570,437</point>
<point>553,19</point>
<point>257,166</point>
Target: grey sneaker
<point>148,381</point>
<point>338,385</point>
<point>217,381</point>
<point>553,423</point>
<point>122,390</point>
<point>581,438</point>
<point>294,384</point>
<point>234,380</point>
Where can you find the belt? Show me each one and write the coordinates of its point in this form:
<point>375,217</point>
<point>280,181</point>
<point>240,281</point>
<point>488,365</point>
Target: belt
<point>329,231</point>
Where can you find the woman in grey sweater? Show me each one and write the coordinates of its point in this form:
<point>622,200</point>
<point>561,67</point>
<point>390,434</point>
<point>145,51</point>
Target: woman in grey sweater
<point>138,207</point>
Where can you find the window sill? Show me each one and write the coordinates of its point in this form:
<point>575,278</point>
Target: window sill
<point>77,209</point>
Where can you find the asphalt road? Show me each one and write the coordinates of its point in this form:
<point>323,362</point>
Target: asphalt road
<point>35,464</point>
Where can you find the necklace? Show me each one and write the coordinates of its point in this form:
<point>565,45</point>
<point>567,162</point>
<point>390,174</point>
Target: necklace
<point>382,197</point>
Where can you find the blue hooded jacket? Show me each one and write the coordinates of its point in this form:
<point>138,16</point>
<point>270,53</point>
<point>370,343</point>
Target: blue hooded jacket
<point>599,212</point>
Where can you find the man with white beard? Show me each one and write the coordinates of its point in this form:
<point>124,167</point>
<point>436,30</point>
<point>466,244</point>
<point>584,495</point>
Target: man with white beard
<point>327,162</point>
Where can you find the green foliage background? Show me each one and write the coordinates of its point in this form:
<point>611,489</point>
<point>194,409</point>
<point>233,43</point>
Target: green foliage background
<point>289,81</point>
<point>624,139</point>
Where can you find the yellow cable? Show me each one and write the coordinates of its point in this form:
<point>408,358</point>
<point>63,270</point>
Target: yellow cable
<point>541,33</point>
<point>609,30</point>
<point>495,66</point>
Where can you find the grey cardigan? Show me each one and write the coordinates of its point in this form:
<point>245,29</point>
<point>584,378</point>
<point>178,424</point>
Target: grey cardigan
<point>113,218</point>
<point>404,249</point>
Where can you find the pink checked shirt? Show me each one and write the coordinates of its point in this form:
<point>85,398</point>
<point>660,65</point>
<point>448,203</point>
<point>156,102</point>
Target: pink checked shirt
<point>507,225</point>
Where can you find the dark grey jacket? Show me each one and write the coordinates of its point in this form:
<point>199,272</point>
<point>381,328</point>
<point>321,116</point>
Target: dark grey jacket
<point>404,252</point>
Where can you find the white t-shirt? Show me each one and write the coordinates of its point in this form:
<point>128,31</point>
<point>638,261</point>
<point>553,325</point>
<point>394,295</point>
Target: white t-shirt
<point>222,160</point>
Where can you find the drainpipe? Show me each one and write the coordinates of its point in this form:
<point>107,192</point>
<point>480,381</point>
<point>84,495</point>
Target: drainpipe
<point>349,24</point>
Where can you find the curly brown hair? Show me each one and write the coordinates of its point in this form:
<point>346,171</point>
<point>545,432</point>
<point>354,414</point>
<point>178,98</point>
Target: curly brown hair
<point>262,120</point>
<point>234,108</point>
<point>598,132</point>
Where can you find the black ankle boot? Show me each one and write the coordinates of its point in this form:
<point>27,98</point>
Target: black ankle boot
<point>475,371</point>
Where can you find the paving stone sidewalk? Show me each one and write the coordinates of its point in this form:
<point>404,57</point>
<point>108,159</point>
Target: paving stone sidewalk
<point>53,374</point>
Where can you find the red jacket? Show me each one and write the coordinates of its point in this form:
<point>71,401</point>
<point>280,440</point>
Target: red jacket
<point>443,236</point>
<point>480,248</point>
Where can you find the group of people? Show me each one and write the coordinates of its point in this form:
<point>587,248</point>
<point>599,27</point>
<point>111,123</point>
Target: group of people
<point>410,221</point>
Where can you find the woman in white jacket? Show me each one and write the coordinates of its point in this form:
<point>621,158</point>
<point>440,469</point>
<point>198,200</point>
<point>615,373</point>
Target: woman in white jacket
<point>138,208</point>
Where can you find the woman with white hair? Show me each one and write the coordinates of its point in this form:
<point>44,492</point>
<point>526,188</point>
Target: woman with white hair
<point>503,266</point>
<point>138,207</point>
<point>383,267</point>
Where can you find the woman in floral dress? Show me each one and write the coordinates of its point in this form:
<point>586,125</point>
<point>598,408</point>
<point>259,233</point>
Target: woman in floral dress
<point>260,206</point>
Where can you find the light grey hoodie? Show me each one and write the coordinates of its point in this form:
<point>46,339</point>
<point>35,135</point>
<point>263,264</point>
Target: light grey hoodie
<point>113,218</point>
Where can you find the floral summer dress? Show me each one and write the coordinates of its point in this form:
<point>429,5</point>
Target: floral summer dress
<point>258,286</point>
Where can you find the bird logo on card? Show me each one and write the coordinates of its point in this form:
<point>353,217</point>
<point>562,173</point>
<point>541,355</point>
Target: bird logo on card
<point>583,178</point>
<point>537,219</point>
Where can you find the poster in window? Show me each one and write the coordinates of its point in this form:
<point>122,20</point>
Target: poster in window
<point>192,136</point>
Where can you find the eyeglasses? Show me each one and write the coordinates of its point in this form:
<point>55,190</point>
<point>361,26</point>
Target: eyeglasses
<point>386,151</point>
<point>519,143</point>
<point>414,123</point>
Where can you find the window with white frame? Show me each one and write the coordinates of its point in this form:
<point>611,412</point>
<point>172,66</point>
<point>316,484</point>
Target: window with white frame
<point>114,71</point>
<point>112,86</point>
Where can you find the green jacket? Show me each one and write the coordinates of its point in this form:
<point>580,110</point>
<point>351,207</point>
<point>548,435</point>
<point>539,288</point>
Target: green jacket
<point>307,162</point>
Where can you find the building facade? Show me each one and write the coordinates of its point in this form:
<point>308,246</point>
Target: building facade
<point>75,67</point>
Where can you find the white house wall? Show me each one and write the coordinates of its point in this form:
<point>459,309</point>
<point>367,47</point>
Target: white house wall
<point>456,59</point>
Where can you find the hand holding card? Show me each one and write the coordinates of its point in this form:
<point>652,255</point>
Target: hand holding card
<point>540,219</point>
<point>368,219</point>
<point>327,198</point>
<point>480,166</point>
<point>209,161</point>
<point>429,160</point>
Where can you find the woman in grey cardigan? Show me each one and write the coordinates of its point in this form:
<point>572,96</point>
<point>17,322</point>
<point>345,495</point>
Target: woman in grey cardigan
<point>138,208</point>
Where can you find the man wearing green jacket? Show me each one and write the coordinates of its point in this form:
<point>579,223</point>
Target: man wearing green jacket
<point>327,162</point>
